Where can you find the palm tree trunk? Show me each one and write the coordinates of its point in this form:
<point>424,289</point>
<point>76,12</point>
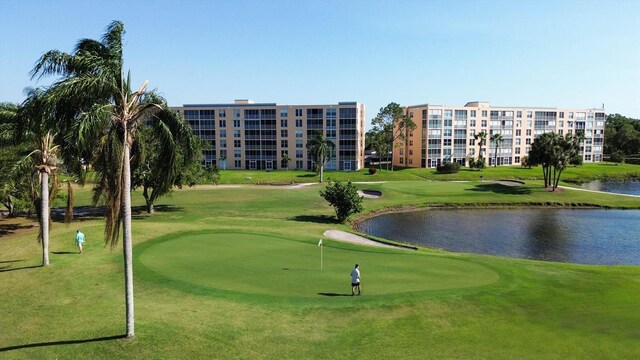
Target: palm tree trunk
<point>127,239</point>
<point>495,157</point>
<point>44,216</point>
<point>321,172</point>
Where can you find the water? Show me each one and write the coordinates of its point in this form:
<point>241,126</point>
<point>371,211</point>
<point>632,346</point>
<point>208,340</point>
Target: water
<point>627,187</point>
<point>585,236</point>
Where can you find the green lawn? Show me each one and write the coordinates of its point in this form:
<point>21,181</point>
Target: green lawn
<point>234,273</point>
<point>587,172</point>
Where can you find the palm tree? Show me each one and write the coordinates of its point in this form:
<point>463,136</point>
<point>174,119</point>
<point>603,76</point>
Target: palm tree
<point>320,150</point>
<point>45,161</point>
<point>482,137</point>
<point>286,159</point>
<point>497,139</point>
<point>93,100</point>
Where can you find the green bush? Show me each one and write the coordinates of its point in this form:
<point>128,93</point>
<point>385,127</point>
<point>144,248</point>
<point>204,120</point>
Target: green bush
<point>344,199</point>
<point>449,168</point>
<point>372,170</point>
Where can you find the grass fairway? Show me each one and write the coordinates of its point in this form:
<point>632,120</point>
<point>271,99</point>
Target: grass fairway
<point>234,273</point>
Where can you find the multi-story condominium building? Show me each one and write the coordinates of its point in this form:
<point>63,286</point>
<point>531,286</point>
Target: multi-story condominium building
<point>247,135</point>
<point>446,133</point>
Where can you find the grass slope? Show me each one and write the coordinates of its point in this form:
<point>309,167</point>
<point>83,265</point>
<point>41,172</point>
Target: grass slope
<point>210,283</point>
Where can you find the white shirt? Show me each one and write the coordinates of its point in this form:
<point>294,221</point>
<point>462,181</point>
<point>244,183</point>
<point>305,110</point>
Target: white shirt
<point>355,276</point>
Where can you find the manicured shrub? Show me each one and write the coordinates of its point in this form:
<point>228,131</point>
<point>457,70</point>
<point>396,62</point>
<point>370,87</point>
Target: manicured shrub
<point>344,198</point>
<point>372,170</point>
<point>449,168</point>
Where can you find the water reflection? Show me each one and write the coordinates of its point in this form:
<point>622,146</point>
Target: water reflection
<point>626,187</point>
<point>589,236</point>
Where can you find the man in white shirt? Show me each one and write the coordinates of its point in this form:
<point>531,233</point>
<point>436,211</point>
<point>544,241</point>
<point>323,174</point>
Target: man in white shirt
<point>355,280</point>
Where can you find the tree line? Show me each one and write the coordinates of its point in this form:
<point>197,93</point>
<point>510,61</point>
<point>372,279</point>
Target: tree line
<point>622,138</point>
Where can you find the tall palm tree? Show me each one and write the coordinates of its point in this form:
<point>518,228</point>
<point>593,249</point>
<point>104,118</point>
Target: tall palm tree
<point>497,139</point>
<point>45,161</point>
<point>320,149</point>
<point>286,159</point>
<point>482,139</point>
<point>94,102</point>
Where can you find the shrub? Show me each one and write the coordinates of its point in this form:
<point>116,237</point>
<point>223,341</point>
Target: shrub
<point>372,170</point>
<point>617,157</point>
<point>344,199</point>
<point>449,168</point>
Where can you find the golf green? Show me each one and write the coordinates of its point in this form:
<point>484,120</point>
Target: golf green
<point>255,263</point>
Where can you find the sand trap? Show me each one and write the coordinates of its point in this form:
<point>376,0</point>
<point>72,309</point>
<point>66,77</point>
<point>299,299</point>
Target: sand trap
<point>370,194</point>
<point>358,240</point>
<point>514,183</point>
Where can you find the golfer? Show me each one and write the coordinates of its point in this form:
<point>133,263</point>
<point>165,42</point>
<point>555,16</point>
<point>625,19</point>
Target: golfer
<point>355,280</point>
<point>79,240</point>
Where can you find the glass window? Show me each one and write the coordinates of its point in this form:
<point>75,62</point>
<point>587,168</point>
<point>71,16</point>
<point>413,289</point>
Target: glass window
<point>284,112</point>
<point>222,113</point>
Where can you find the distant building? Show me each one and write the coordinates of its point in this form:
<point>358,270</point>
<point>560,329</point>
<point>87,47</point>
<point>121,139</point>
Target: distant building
<point>446,133</point>
<point>248,135</point>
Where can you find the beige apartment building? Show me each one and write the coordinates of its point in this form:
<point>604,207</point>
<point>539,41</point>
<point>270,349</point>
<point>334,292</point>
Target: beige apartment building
<point>248,135</point>
<point>446,133</point>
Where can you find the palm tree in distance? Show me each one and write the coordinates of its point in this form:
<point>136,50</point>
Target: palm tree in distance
<point>95,97</point>
<point>497,139</point>
<point>320,150</point>
<point>286,159</point>
<point>482,139</point>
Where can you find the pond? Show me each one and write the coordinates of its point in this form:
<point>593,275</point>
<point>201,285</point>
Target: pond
<point>584,236</point>
<point>626,187</point>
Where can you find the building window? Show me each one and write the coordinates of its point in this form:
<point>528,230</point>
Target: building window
<point>517,159</point>
<point>298,133</point>
<point>236,114</point>
<point>518,140</point>
<point>237,153</point>
<point>222,123</point>
<point>561,116</point>
<point>517,151</point>
<point>299,144</point>
<point>472,123</point>
<point>527,141</point>
<point>236,133</point>
<point>222,113</point>
<point>223,143</point>
<point>236,123</point>
<point>283,122</point>
<point>299,154</point>
<point>472,142</point>
<point>298,112</point>
<point>237,143</point>
<point>483,123</point>
<point>529,114</point>
<point>410,152</point>
<point>528,132</point>
<point>284,133</point>
<point>284,112</point>
<point>518,132</point>
<point>284,143</point>
<point>298,122</point>
<point>237,164</point>
<point>570,115</point>
<point>484,113</point>
<point>299,164</point>
<point>410,161</point>
<point>401,161</point>
<point>473,113</point>
<point>519,114</point>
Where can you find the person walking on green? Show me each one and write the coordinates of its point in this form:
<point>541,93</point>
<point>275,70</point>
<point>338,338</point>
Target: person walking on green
<point>79,240</point>
<point>355,280</point>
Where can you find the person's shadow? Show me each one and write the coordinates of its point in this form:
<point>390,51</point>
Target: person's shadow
<point>333,294</point>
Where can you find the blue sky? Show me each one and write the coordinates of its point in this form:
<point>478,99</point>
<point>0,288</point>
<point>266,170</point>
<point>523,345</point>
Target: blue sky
<point>511,53</point>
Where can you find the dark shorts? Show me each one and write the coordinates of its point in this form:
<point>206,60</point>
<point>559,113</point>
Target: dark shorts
<point>355,284</point>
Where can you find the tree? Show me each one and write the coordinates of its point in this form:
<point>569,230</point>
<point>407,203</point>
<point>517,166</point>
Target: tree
<point>344,199</point>
<point>320,150</point>
<point>497,139</point>
<point>481,137</point>
<point>622,133</point>
<point>286,159</point>
<point>94,102</point>
<point>45,161</point>
<point>395,124</point>
<point>554,152</point>
<point>617,157</point>
<point>164,150</point>
<point>379,141</point>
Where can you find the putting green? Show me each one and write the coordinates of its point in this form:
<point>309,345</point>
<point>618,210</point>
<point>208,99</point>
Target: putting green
<point>273,265</point>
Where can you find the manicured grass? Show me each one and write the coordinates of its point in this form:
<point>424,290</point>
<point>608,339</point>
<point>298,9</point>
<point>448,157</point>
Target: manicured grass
<point>587,172</point>
<point>210,282</point>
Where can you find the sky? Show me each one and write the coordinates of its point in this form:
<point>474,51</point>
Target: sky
<point>574,54</point>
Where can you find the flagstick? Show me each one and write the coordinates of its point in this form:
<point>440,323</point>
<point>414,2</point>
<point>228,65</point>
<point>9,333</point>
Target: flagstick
<point>321,257</point>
